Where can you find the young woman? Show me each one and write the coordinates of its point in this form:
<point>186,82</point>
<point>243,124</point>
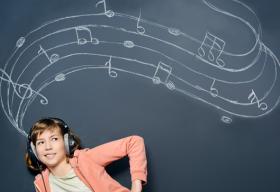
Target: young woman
<point>55,152</point>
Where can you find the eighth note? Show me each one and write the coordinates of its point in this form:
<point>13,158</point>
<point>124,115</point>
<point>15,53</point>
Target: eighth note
<point>52,59</point>
<point>111,72</point>
<point>108,13</point>
<point>139,28</point>
<point>254,99</point>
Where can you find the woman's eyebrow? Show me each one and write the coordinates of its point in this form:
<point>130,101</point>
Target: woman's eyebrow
<point>54,135</point>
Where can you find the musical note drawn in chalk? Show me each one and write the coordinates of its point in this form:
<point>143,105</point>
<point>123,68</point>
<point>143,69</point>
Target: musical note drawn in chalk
<point>162,75</point>
<point>108,13</point>
<point>214,92</point>
<point>111,72</point>
<point>254,99</point>
<point>20,42</point>
<point>60,77</point>
<point>83,35</point>
<point>174,31</point>
<point>140,29</point>
<point>226,119</point>
<point>52,59</point>
<point>23,91</point>
<point>95,41</point>
<point>128,44</point>
<point>214,46</point>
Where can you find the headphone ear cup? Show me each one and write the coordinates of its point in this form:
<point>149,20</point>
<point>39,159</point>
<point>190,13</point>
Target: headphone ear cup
<point>33,150</point>
<point>33,155</point>
<point>69,143</point>
<point>66,143</point>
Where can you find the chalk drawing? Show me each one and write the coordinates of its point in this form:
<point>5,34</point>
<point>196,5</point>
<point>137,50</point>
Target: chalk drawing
<point>18,91</point>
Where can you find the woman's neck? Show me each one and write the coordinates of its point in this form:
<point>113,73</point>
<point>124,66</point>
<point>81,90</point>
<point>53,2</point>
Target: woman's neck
<point>61,170</point>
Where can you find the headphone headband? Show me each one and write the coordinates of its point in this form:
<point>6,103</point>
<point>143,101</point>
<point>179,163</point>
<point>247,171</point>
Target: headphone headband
<point>63,124</point>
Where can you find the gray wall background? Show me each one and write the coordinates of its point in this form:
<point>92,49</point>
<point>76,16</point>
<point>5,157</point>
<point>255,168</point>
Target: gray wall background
<point>188,147</point>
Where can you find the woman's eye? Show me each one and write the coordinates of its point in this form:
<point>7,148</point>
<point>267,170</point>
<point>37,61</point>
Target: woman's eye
<point>54,139</point>
<point>40,142</point>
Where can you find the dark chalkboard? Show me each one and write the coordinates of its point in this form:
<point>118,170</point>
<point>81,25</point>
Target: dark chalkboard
<point>199,80</point>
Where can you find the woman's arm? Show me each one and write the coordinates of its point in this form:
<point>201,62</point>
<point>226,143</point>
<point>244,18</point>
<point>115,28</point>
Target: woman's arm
<point>132,146</point>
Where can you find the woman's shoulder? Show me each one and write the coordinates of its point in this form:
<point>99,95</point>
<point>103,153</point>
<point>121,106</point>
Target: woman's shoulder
<point>77,152</point>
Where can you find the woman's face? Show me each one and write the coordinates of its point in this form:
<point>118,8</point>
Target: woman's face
<point>50,148</point>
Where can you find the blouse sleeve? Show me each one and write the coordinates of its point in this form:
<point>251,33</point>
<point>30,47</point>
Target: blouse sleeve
<point>36,189</point>
<point>132,146</point>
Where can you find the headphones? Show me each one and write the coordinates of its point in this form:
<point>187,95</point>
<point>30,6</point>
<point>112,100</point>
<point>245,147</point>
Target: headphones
<point>69,141</point>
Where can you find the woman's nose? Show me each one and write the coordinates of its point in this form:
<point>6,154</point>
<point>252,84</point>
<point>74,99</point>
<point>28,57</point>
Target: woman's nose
<point>48,145</point>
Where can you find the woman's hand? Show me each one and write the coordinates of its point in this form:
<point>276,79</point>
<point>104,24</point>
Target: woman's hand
<point>136,186</point>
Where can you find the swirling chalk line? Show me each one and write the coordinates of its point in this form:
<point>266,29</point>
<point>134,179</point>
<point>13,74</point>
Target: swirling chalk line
<point>157,61</point>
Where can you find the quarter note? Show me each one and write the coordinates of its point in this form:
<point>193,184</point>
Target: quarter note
<point>139,28</point>
<point>214,92</point>
<point>111,72</point>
